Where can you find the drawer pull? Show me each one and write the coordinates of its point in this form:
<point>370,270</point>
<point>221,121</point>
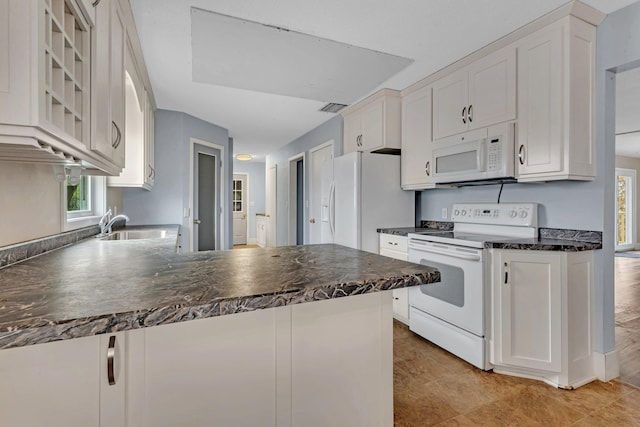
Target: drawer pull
<point>111,355</point>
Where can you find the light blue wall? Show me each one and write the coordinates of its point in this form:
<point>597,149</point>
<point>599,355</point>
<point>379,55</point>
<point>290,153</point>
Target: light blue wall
<point>170,195</point>
<point>328,131</point>
<point>256,174</point>
<point>566,204</point>
<point>618,46</point>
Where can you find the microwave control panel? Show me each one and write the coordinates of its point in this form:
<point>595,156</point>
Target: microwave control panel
<point>494,153</point>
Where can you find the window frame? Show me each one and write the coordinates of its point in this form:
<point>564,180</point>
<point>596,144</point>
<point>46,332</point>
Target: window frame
<point>97,203</point>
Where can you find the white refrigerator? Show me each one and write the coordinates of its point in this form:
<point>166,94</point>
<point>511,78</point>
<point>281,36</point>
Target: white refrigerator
<point>361,193</point>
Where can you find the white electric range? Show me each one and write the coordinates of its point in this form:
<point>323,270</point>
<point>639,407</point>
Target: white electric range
<point>455,313</point>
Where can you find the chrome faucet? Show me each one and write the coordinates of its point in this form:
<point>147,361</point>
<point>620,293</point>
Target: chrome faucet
<point>103,221</point>
<point>106,222</point>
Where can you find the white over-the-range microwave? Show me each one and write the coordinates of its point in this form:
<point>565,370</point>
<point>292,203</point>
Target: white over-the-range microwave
<point>475,157</point>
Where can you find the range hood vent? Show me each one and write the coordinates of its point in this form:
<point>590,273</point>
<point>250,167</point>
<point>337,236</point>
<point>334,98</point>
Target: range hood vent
<point>332,107</point>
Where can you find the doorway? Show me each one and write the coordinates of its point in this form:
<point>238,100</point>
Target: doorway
<point>296,199</point>
<point>206,197</point>
<point>240,191</point>
<point>318,156</point>
<point>627,261</point>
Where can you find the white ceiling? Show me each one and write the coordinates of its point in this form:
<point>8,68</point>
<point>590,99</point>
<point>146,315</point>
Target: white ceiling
<point>434,33</point>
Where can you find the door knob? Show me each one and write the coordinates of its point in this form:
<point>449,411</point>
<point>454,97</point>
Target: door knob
<point>196,221</point>
<point>312,220</point>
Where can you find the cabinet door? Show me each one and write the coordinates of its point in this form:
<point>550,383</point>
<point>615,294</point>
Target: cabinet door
<point>540,94</point>
<point>352,127</point>
<point>16,106</point>
<point>373,118</point>
<point>450,104</point>
<point>149,139</point>
<point>342,362</point>
<point>528,293</point>
<point>219,371</point>
<point>100,87</point>
<point>53,384</point>
<point>117,83</point>
<point>415,160</point>
<point>492,89</point>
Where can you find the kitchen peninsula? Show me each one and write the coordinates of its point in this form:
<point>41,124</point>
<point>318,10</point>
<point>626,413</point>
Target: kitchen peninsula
<point>127,352</point>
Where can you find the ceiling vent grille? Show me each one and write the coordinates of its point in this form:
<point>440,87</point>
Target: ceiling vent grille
<point>332,107</point>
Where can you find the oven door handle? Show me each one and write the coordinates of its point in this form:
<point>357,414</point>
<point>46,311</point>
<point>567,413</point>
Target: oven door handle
<point>470,257</point>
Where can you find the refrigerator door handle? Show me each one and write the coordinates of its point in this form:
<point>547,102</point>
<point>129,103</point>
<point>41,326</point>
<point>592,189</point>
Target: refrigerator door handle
<point>332,196</point>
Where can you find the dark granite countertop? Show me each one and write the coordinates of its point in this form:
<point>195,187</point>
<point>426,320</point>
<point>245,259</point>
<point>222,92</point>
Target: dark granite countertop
<point>97,286</point>
<point>551,239</point>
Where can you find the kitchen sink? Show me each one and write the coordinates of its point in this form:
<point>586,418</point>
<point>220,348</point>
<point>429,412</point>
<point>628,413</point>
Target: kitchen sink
<point>136,235</point>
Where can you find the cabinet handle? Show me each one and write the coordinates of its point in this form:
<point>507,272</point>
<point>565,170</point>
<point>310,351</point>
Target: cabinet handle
<point>96,3</point>
<point>506,274</point>
<point>470,113</point>
<point>196,221</point>
<point>521,154</point>
<point>150,171</point>
<point>312,221</point>
<point>153,173</point>
<point>464,115</point>
<point>116,143</point>
<point>111,355</point>
<point>427,168</point>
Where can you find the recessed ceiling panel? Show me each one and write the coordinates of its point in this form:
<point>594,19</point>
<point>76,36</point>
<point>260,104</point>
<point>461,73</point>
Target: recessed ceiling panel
<point>233,52</point>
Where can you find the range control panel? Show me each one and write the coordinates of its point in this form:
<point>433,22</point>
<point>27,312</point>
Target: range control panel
<point>514,214</point>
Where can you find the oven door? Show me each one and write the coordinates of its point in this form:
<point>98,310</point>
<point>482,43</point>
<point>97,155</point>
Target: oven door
<point>458,298</point>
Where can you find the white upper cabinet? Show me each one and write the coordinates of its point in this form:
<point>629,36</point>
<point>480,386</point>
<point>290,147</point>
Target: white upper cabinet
<point>62,85</point>
<point>415,160</point>
<point>108,76</point>
<point>44,79</point>
<point>555,103</point>
<point>479,95</point>
<point>139,166</point>
<point>373,124</point>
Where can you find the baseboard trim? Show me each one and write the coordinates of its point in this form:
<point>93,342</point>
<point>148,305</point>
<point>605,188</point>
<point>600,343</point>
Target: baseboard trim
<point>606,365</point>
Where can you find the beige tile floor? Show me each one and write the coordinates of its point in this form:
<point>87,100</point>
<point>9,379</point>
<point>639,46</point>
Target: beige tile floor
<point>433,387</point>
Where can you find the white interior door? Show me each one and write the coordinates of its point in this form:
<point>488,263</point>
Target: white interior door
<point>271,206</point>
<point>625,209</point>
<point>239,209</point>
<point>318,156</point>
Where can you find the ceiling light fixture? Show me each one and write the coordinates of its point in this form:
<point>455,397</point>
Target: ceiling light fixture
<point>244,157</point>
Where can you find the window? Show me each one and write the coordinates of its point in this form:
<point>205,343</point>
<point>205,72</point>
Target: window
<point>83,204</point>
<point>237,195</point>
<point>79,197</point>
<point>625,208</point>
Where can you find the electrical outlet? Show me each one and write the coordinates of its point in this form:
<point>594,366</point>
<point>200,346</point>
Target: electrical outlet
<point>444,213</point>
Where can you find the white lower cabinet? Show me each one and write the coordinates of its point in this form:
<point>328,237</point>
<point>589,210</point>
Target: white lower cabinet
<point>396,247</point>
<point>64,383</point>
<point>216,371</point>
<point>314,364</point>
<point>542,315</point>
<point>261,230</point>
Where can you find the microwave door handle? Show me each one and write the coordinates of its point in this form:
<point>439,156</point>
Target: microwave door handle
<point>470,257</point>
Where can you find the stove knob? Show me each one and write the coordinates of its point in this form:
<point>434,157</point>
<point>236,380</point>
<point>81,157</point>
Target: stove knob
<point>464,212</point>
<point>523,214</point>
<point>456,212</point>
<point>513,214</point>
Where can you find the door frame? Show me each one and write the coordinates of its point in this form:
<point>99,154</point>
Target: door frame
<point>310,196</point>
<point>221,189</point>
<point>293,196</point>
<point>632,203</point>
<point>245,192</point>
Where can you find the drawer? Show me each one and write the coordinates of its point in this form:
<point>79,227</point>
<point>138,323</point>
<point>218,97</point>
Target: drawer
<point>394,243</point>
